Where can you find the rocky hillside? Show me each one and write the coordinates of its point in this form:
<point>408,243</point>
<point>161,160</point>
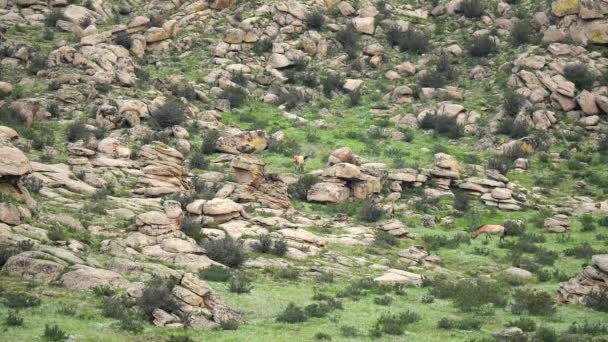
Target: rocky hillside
<point>304,170</point>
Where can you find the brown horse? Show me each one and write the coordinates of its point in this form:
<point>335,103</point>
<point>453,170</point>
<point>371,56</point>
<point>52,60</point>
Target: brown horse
<point>489,230</point>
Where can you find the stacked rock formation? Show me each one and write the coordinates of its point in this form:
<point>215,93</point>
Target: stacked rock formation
<point>557,224</point>
<point>163,171</point>
<point>593,278</point>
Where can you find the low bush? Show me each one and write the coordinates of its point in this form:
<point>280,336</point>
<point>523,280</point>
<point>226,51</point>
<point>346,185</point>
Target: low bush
<point>583,250</point>
<point>579,74</point>
<point>588,328</point>
<point>472,8</point>
<point>414,41</point>
<point>462,324</point>
<point>170,114</point>
<point>370,212</point>
<point>521,33</point>
<point>299,190</point>
<point>349,39</point>
<point>443,125</point>
<point>54,333</point>
<point>198,159</point>
<point>349,331</point>
<point>53,17</point>
<point>123,39</point>
<point>514,227</point>
<point>20,300</point>
<point>321,336</point>
<point>216,273</point>
<point>226,251</point>
<point>279,248</point>
<point>482,46</point>
<point>230,324</point>
<point>469,295</point>
<point>514,128</point>
<point>597,300</point>
<point>115,306</point>
<point>264,244</point>
<point>533,302</point>
<point>394,324</point>
<point>262,46</point>
<point>545,334</point>
<point>315,20</point>
<point>384,300</point>
<point>13,320</point>
<point>524,323</point>
<point>287,147</point>
<point>292,314</point>
<point>512,102</point>
<point>7,251</point>
<point>104,291</point>
<point>235,95</point>
<point>331,83</point>
<point>545,257</point>
<point>385,239</point>
<point>157,294</point>
<point>240,282</point>
<point>192,229</point>
<point>439,241</point>
<point>587,223</point>
<point>461,201</point>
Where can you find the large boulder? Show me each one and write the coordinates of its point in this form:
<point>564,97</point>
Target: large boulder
<point>235,141</point>
<point>12,161</point>
<point>249,169</point>
<point>400,277</point>
<point>328,192</point>
<point>87,278</point>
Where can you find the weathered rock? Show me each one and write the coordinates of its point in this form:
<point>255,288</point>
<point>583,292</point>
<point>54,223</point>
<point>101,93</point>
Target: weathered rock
<point>400,277</point>
<point>249,169</point>
<point>326,192</point>
<point>236,141</point>
<point>87,278</point>
<point>557,224</point>
<point>364,25</point>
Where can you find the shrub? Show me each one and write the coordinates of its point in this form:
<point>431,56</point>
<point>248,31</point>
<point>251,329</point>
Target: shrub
<point>115,307</point>
<point>215,273</point>
<point>524,323</point>
<point>439,241</point>
<point>239,78</point>
<point>580,75</point>
<point>545,334</point>
<point>533,302</point>
<point>315,20</point>
<point>384,300</point>
<point>370,212</point>
<point>85,22</point>
<point>104,291</point>
<point>7,251</point>
<point>385,239</point>
<point>394,324</point>
<point>288,273</point>
<point>279,248</point>
<point>331,83</point>
<point>13,320</point>
<point>53,17</point>
<point>584,250</point>
<point>461,201</point>
<point>198,160</point>
<point>514,228</point>
<point>354,98</point>
<point>513,128</point>
<point>157,294</point>
<point>264,244</point>
<point>20,300</point>
<point>9,117</point>
<point>482,46</point>
<point>472,8</point>
<point>432,79</point>
<point>521,33</point>
<point>349,331</point>
<point>192,229</point>
<point>587,223</point>
<point>209,141</point>
<point>588,328</point>
<point>414,41</point>
<point>597,300</point>
<point>235,95</point>
<point>286,147</point>
<point>299,189</point>
<point>226,251</point>
<point>443,125</point>
<point>512,102</point>
<point>179,338</point>
<point>230,324</point>
<point>349,39</point>
<point>170,114</point>
<point>123,39</point>
<point>545,257</point>
<point>240,283</point>
<point>292,314</point>
<point>54,333</point>
<point>469,295</point>
<point>78,131</point>
<point>262,46</point>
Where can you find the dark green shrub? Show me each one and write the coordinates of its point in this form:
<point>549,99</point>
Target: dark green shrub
<point>235,95</point>
<point>37,63</point>
<point>116,306</point>
<point>512,102</point>
<point>461,201</point>
<point>320,336</point>
<point>179,338</point>
<point>472,8</point>
<point>209,141</point>
<point>299,189</point>
<point>20,300</point>
<point>9,117</point>
<point>262,46</point>
<point>54,16</point>
<point>240,283</point>
<point>414,41</point>
<point>279,248</point>
<point>545,257</point>
<point>597,300</point>
<point>286,147</point>
<point>443,125</point>
<point>587,223</point>
<point>170,114</point>
<point>288,273</point>
<point>349,39</point>
<point>216,273</point>
<point>588,328</point>
<point>469,295</point>
<point>513,128</point>
<point>54,333</point>
<point>545,334</point>
<point>584,250</point>
<point>315,20</point>
<point>198,159</point>
<point>13,320</point>
<point>432,79</point>
<point>385,239</point>
<point>349,331</point>
<point>439,241</point>
<point>370,212</point>
<point>580,75</point>
<point>292,314</point>
<point>131,323</point>
<point>394,324</point>
<point>544,275</point>
<point>157,294</point>
<point>239,78</point>
<point>445,323</point>
<point>7,251</point>
<point>79,131</point>
<point>264,244</point>
<point>331,83</point>
<point>192,229</point>
<point>482,46</point>
<point>123,39</point>
<point>226,251</point>
<point>533,302</point>
<point>521,33</point>
<point>384,300</point>
<point>230,324</point>
<point>104,291</point>
<point>514,228</point>
<point>317,310</point>
<point>524,323</point>
<point>354,98</point>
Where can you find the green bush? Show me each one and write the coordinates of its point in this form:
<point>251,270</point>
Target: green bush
<point>469,295</point>
<point>170,114</point>
<point>292,314</point>
<point>443,125</point>
<point>264,244</point>
<point>20,300</point>
<point>414,41</point>
<point>157,293</point>
<point>597,300</point>
<point>262,46</point>
<point>104,291</point>
<point>588,328</point>
<point>524,323</point>
<point>179,338</point>
<point>514,128</point>
<point>209,140</point>
<point>235,95</point>
<point>472,8</point>
<point>385,300</point>
<point>583,250</point>
<point>533,302</point>
<point>370,212</point>
<point>115,306</point>
<point>439,241</point>
<point>216,273</point>
<point>349,39</point>
<point>299,189</point>
<point>226,251</point>
<point>461,201</point>
<point>192,229</point>
<point>512,102</point>
<point>123,39</point>
<point>349,331</point>
<point>321,336</point>
<point>394,324</point>
<point>279,248</point>
<point>13,320</point>
<point>385,239</point>
<point>587,223</point>
<point>315,20</point>
<point>53,17</point>
<point>286,147</point>
<point>331,83</point>
<point>545,334</point>
<point>240,283</point>
<point>579,74</point>
<point>198,159</point>
<point>482,46</point>
<point>521,33</point>
<point>54,333</point>
<point>7,251</point>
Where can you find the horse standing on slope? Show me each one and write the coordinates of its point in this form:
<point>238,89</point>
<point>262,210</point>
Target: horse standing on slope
<point>489,230</point>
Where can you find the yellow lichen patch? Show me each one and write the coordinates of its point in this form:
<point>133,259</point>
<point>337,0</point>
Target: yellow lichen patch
<point>598,36</point>
<point>564,7</point>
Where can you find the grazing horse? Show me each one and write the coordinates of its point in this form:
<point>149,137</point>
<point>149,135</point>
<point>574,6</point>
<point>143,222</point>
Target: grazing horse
<point>489,230</point>
<point>298,162</point>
